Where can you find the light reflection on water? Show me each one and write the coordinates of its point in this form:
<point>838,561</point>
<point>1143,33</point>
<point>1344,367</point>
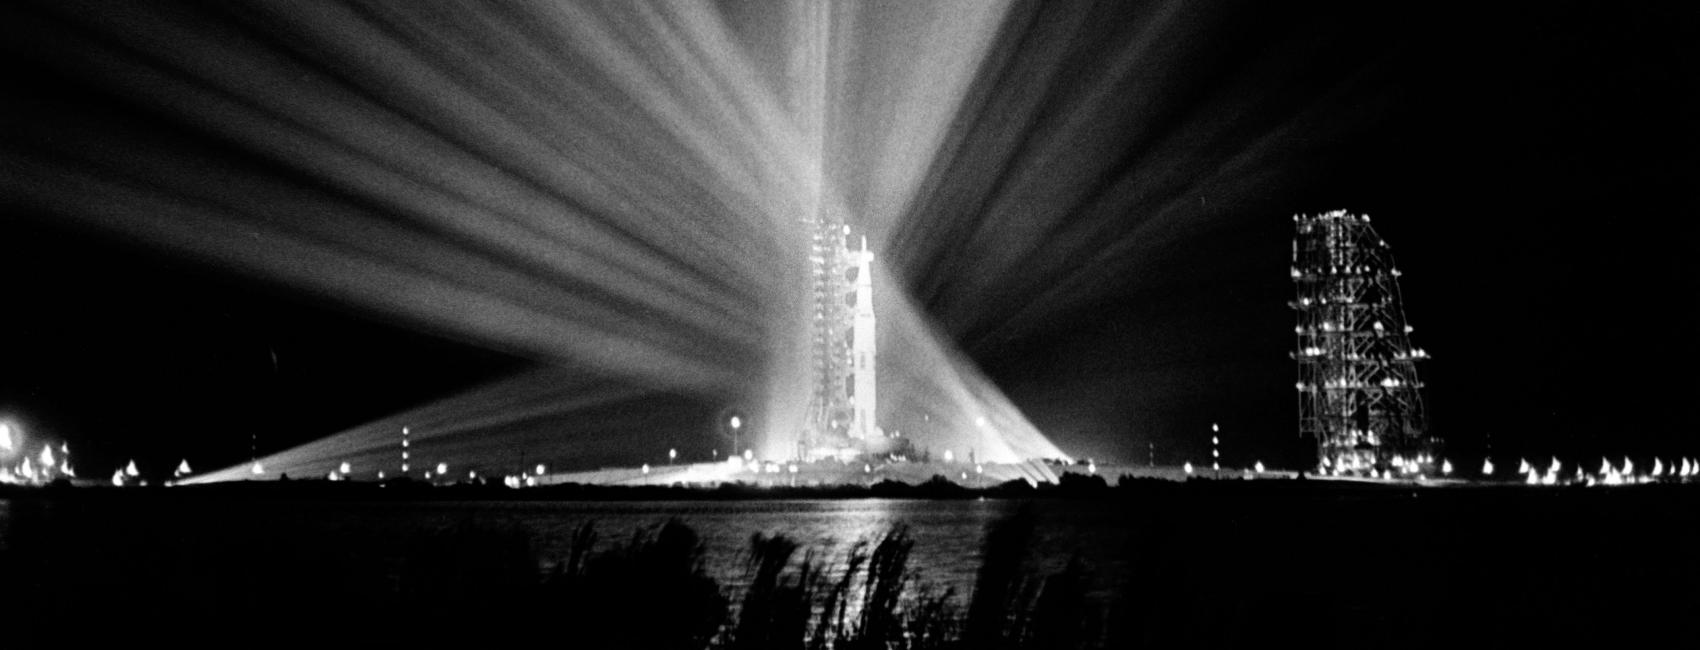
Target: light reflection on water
<point>947,535</point>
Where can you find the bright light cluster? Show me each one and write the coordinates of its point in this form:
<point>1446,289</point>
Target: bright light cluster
<point>1365,464</point>
<point>1608,473</point>
<point>19,466</point>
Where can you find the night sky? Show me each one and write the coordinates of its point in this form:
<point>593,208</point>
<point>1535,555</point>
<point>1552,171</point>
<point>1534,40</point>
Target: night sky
<point>1532,167</point>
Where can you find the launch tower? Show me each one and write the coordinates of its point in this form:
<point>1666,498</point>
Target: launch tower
<point>1359,396</point>
<point>843,370</point>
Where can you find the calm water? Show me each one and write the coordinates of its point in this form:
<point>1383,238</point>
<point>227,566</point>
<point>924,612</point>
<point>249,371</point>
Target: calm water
<point>947,534</point>
<point>1206,566</point>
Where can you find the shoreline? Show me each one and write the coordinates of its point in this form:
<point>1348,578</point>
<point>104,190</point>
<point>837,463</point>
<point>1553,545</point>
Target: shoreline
<point>1073,487</point>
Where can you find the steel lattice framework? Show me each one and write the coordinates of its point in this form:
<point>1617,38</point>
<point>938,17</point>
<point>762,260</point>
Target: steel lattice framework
<point>1359,395</point>
<point>830,355</point>
<point>843,397</point>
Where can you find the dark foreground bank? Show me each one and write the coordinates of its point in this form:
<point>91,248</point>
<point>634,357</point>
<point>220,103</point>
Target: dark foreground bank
<point>1215,565</point>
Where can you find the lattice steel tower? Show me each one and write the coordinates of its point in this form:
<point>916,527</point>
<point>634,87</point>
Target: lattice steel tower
<point>843,372</point>
<point>1359,396</point>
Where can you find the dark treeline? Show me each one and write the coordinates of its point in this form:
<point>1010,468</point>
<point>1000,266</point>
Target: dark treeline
<point>1070,485</point>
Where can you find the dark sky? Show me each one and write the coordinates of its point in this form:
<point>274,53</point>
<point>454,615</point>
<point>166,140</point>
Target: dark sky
<point>1533,168</point>
<point>1529,166</point>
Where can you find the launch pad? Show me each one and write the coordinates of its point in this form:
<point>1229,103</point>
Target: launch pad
<point>843,356</point>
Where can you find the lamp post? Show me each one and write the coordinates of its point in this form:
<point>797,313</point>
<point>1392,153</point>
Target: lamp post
<point>736,425</point>
<point>1215,451</point>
